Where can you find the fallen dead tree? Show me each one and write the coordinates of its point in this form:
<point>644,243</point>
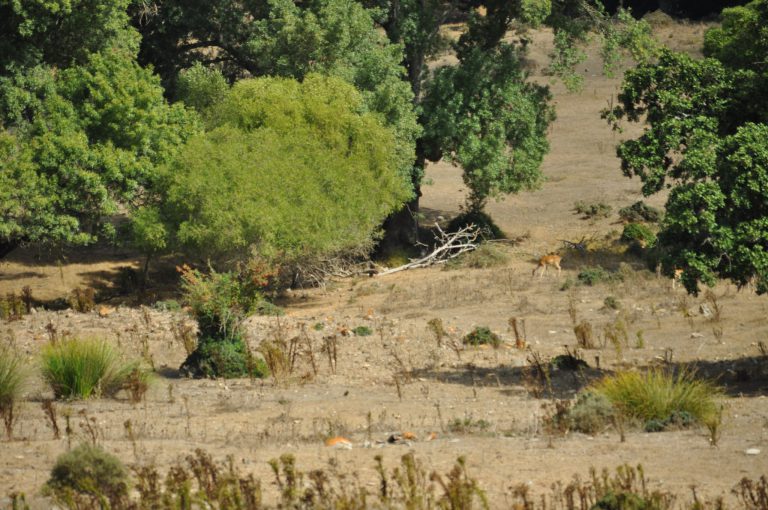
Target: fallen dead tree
<point>448,246</point>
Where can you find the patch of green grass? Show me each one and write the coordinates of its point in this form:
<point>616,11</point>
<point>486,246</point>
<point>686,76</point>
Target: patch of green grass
<point>482,335</point>
<point>468,425</point>
<point>82,368</point>
<point>661,396</point>
<point>362,331</point>
<point>169,305</point>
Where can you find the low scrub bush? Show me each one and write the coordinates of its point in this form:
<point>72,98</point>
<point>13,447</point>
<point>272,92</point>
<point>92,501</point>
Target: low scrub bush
<point>485,256</point>
<point>640,212</point>
<point>591,413</point>
<point>13,375</point>
<point>88,477</point>
<point>594,275</point>
<point>658,397</point>
<point>82,368</point>
<point>482,335</point>
<point>638,233</point>
<point>362,331</point>
<point>13,307</point>
<point>593,210</point>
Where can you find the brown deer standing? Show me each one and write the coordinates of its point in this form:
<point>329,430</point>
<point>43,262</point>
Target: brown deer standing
<point>548,260</point>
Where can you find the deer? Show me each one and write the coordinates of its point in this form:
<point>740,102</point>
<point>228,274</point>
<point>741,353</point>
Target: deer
<point>676,277</point>
<point>548,260</point>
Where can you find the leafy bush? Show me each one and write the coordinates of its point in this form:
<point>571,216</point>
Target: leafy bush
<point>12,378</point>
<point>485,256</point>
<point>362,331</point>
<point>223,357</point>
<point>219,303</point>
<point>638,233</point>
<point>594,275</point>
<point>81,368</point>
<point>88,477</point>
<point>482,335</point>
<point>593,210</point>
<point>591,413</point>
<point>640,212</point>
<point>657,395</point>
<point>480,220</point>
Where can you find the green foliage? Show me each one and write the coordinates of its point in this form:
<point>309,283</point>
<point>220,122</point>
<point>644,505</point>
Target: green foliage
<point>637,232</point>
<point>201,87</point>
<point>362,331</point>
<point>288,39</point>
<point>657,395</point>
<point>594,275</point>
<point>591,413</point>
<point>223,357</point>
<point>79,144</point>
<point>82,368</point>
<point>706,138</point>
<point>593,210</point>
<point>482,335</point>
<point>88,476</point>
<point>292,170</point>
<point>479,219</point>
<point>168,305</point>
<point>483,115</point>
<point>640,212</point>
<point>219,303</point>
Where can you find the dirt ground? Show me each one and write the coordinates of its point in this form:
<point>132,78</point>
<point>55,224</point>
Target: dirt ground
<point>478,402</point>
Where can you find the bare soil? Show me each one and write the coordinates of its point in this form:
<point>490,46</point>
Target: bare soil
<point>481,403</point>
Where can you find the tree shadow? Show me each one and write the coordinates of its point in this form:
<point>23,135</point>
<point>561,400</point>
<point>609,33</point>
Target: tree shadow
<point>21,276</point>
<point>556,383</point>
<point>746,376</point>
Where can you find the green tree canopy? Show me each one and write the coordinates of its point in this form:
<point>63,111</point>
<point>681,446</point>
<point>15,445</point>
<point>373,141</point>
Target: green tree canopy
<point>290,169</point>
<point>82,141</point>
<point>707,139</point>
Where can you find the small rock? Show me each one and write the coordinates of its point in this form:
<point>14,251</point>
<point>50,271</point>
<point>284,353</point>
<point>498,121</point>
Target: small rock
<point>752,451</point>
<point>697,335</point>
<point>705,310</point>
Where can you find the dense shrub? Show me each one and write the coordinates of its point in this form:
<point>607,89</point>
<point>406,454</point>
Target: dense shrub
<point>593,210</point>
<point>638,233</point>
<point>88,477</point>
<point>482,335</point>
<point>640,212</point>
<point>81,368</point>
<point>666,398</point>
<point>219,302</point>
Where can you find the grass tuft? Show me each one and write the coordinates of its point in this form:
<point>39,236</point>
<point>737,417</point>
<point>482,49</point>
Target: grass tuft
<point>660,397</point>
<point>82,368</point>
<point>13,375</point>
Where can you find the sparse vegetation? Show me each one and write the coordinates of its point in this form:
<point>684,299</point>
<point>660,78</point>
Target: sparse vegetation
<point>81,368</point>
<point>658,399</point>
<point>591,413</point>
<point>482,335</point>
<point>612,303</point>
<point>593,210</point>
<point>13,376</point>
<point>593,275</point>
